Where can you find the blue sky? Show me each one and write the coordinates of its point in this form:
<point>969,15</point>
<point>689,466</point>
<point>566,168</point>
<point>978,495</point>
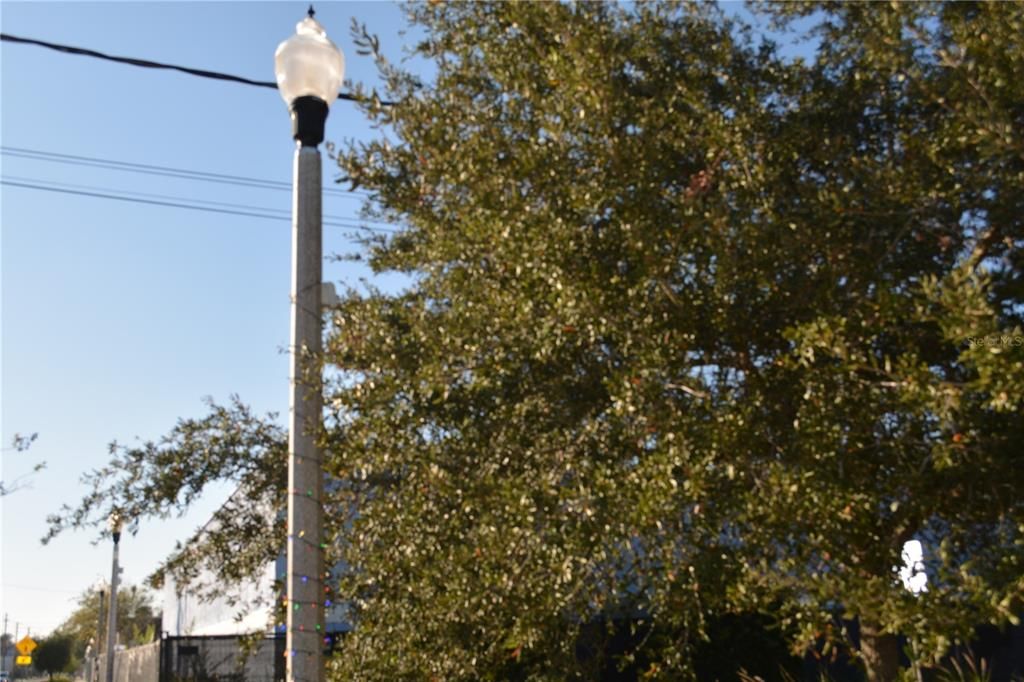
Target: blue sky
<point>118,318</point>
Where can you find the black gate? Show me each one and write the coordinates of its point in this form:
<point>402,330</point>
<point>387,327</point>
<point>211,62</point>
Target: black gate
<point>221,659</point>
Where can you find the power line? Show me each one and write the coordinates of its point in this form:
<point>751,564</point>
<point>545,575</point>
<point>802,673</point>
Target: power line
<point>336,220</point>
<point>202,73</point>
<point>165,171</point>
<point>40,589</point>
<point>177,204</point>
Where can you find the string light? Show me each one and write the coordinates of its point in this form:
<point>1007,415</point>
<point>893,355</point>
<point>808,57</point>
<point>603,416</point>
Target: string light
<point>298,538</point>
<point>301,651</point>
<point>298,457</point>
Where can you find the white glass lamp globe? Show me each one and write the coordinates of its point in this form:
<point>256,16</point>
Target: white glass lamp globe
<point>308,64</point>
<point>114,522</point>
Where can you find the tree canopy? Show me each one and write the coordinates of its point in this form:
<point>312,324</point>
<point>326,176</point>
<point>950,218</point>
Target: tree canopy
<point>693,329</point>
<point>53,655</point>
<point>137,621</point>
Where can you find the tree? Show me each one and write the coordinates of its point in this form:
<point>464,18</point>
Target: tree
<point>693,330</point>
<point>158,479</point>
<point>53,655</point>
<point>136,619</point>
<point>525,416</point>
<point>6,645</point>
<point>910,371</point>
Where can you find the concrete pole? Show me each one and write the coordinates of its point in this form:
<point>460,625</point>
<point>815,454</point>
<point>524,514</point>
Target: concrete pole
<point>99,625</point>
<point>304,642</point>
<point>112,612</point>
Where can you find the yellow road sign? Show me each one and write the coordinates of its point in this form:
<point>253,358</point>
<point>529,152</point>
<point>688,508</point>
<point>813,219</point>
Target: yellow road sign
<point>23,660</point>
<point>26,646</point>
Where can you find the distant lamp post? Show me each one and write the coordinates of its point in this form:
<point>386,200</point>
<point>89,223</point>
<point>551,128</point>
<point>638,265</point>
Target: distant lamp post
<point>94,665</point>
<point>309,69</point>
<point>114,523</point>
<point>90,650</point>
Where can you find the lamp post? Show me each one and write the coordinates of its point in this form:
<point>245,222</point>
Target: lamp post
<point>94,665</point>
<point>114,522</point>
<point>309,70</point>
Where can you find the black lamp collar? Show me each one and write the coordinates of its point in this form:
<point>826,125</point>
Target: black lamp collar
<point>309,115</point>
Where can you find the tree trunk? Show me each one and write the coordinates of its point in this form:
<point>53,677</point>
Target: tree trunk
<point>881,653</point>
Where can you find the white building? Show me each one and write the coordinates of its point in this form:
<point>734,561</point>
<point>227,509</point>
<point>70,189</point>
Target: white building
<point>242,609</point>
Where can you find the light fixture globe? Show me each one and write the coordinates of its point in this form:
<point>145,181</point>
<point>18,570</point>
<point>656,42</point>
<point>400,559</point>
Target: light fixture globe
<point>114,523</point>
<point>309,70</point>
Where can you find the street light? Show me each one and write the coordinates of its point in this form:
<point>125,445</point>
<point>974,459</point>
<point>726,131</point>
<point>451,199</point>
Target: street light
<point>114,522</point>
<point>100,588</point>
<point>309,70</point>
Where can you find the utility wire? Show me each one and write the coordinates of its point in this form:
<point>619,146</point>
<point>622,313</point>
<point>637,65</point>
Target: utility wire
<point>166,171</point>
<point>174,204</point>
<point>340,221</point>
<point>202,73</point>
<point>39,589</point>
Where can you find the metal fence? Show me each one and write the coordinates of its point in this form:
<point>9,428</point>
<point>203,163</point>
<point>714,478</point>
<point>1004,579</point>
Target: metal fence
<point>221,659</point>
<point>195,659</point>
<point>138,664</point>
